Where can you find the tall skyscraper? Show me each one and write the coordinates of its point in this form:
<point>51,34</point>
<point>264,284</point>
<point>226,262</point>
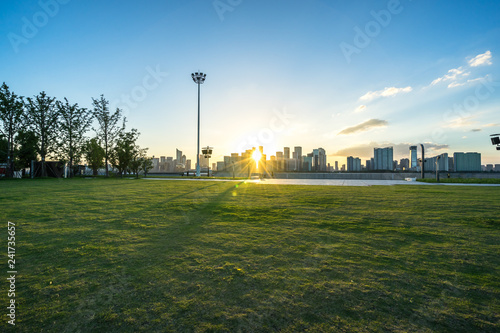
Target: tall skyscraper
<point>298,154</point>
<point>353,163</point>
<point>178,155</point>
<point>319,159</point>
<point>383,158</point>
<point>413,158</point>
<point>286,152</point>
<point>336,165</point>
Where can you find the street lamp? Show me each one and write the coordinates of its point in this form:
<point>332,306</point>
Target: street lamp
<point>198,78</point>
<point>422,168</point>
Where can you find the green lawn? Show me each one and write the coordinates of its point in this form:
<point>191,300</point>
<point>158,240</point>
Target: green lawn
<point>110,255</point>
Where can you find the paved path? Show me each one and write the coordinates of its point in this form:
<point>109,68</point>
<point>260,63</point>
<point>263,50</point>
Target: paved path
<point>329,182</point>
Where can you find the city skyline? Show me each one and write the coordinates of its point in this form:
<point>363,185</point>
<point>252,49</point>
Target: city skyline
<point>342,76</point>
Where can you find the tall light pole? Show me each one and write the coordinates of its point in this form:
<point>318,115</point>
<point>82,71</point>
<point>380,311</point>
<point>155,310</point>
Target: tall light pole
<point>198,78</point>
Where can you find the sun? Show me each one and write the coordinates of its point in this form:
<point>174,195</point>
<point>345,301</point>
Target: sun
<point>256,155</point>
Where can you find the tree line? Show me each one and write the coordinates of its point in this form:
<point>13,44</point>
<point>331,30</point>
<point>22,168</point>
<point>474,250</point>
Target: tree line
<point>43,127</point>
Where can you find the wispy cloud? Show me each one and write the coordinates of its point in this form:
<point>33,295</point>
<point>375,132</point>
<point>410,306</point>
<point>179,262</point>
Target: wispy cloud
<point>453,75</point>
<point>481,59</point>
<point>386,92</point>
<point>360,108</point>
<point>457,84</point>
<point>461,122</point>
<point>457,75</point>
<point>365,126</point>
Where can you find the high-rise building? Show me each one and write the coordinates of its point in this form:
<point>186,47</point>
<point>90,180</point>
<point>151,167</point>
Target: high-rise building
<point>383,158</point>
<point>413,158</point>
<point>430,163</point>
<point>319,159</point>
<point>336,165</point>
<point>353,163</point>
<point>466,162</point>
<point>286,153</point>
<point>178,155</point>
<point>298,154</point>
<point>404,164</point>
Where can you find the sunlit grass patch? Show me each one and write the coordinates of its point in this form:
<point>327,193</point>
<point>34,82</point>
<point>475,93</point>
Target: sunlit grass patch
<point>143,255</point>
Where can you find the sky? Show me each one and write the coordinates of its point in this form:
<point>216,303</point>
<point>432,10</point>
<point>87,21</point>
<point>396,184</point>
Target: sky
<point>346,76</point>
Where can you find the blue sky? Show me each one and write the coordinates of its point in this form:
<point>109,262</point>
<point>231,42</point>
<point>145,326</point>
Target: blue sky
<point>343,75</point>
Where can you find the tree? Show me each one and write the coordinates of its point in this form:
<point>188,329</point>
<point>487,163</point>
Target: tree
<point>146,165</point>
<point>26,152</point>
<point>74,123</point>
<point>125,151</point>
<point>11,116</point>
<point>140,162</point>
<point>42,117</point>
<point>94,154</point>
<point>108,129</point>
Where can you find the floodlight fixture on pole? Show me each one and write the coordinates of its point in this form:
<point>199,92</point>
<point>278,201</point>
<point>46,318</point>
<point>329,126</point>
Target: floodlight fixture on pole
<point>198,78</point>
<point>207,153</point>
<point>495,140</point>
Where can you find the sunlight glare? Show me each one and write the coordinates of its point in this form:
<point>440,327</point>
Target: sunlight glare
<point>256,155</point>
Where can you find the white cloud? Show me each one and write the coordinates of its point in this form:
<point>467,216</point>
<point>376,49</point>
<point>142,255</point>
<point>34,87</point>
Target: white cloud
<point>453,74</point>
<point>365,126</point>
<point>481,59</point>
<point>360,108</point>
<point>461,122</point>
<point>457,84</point>
<point>386,92</point>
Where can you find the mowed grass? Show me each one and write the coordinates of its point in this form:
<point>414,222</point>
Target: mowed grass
<point>108,255</point>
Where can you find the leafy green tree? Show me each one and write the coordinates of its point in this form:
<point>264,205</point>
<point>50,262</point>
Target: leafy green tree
<point>146,164</point>
<point>125,151</point>
<point>73,124</point>
<point>94,154</point>
<point>11,118</point>
<point>140,162</point>
<point>108,129</point>
<point>27,144</point>
<point>43,119</point>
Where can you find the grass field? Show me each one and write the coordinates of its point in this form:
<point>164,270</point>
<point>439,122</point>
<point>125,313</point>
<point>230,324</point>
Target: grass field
<point>462,180</point>
<point>108,255</point>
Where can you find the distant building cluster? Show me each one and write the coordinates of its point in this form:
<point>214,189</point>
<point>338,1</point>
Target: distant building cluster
<point>383,160</point>
<point>169,164</point>
<point>283,161</point>
<point>244,164</point>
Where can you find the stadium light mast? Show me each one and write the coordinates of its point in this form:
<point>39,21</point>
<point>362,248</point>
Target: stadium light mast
<point>198,78</point>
